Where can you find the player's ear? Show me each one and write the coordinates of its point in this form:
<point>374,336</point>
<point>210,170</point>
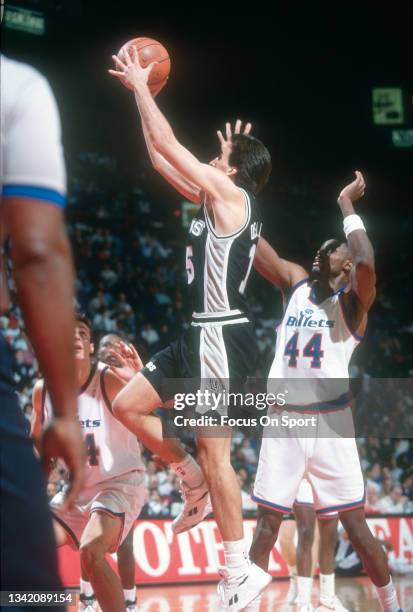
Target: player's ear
<point>92,348</point>
<point>232,171</point>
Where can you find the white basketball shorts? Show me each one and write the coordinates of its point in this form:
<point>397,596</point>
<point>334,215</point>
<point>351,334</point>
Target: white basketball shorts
<point>122,497</point>
<point>331,465</point>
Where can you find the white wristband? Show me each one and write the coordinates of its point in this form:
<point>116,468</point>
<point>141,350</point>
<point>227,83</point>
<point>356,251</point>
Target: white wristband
<point>351,223</point>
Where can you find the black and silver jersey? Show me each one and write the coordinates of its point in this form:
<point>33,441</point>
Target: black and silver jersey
<point>219,267</point>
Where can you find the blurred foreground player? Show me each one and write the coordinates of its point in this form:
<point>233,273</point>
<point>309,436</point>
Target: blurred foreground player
<point>219,348</point>
<point>324,320</point>
<point>33,187</point>
<point>114,492</point>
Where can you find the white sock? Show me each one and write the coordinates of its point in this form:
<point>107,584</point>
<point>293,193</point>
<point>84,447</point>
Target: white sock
<point>388,597</point>
<point>304,585</point>
<point>292,570</point>
<point>86,588</point>
<point>129,594</point>
<point>327,586</point>
<point>236,557</point>
<point>189,471</point>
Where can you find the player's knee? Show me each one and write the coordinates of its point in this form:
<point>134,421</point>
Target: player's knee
<point>359,535</point>
<point>91,556</point>
<point>268,526</point>
<point>305,533</point>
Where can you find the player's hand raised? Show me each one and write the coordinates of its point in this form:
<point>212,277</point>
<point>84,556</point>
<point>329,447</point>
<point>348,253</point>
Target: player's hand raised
<point>355,190</point>
<point>62,438</point>
<point>129,70</point>
<point>226,143</point>
<point>128,360</point>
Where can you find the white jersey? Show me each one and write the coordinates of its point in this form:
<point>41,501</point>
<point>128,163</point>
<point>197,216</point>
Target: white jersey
<point>314,342</point>
<point>32,162</point>
<point>112,450</point>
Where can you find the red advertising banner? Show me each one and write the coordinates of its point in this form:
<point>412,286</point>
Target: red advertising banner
<point>162,557</point>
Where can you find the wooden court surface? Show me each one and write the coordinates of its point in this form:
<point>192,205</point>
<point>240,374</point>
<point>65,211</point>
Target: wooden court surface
<point>355,593</point>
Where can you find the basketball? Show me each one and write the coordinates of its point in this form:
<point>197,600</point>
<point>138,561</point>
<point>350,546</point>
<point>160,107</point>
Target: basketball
<point>151,51</point>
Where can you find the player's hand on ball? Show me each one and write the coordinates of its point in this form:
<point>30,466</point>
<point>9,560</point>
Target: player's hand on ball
<point>355,190</point>
<point>129,70</point>
<point>226,143</point>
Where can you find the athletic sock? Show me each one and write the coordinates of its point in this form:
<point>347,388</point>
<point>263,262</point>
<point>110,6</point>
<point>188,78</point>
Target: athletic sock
<point>236,557</point>
<point>129,594</point>
<point>388,597</point>
<point>327,586</point>
<point>189,471</point>
<point>304,585</point>
<point>86,588</point>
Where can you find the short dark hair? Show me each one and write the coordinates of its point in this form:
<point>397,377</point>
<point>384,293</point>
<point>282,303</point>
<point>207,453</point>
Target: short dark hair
<point>252,160</point>
<point>80,317</point>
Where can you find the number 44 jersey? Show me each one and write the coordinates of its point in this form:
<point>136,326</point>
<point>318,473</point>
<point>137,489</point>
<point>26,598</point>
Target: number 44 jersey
<point>112,450</point>
<point>218,267</point>
<point>313,349</point>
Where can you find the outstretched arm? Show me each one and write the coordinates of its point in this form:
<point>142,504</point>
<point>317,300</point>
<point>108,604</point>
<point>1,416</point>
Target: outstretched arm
<point>280,272</point>
<point>175,178</point>
<point>205,177</point>
<point>362,276</point>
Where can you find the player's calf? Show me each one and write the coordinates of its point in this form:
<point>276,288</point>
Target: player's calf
<point>373,557</point>
<point>265,536</point>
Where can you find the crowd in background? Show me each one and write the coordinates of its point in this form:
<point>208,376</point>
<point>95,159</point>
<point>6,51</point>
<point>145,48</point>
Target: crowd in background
<point>129,254</point>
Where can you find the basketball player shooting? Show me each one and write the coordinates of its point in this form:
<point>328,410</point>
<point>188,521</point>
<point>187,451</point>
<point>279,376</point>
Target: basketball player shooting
<point>335,299</point>
<point>220,343</point>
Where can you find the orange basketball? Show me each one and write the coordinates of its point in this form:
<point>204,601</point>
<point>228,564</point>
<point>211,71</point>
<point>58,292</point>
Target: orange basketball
<point>151,51</point>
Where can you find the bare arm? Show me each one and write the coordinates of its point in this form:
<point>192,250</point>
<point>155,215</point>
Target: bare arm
<point>43,274</point>
<point>206,178</point>
<point>363,275</point>
<point>280,272</point>
<point>179,182</point>
<point>113,384</point>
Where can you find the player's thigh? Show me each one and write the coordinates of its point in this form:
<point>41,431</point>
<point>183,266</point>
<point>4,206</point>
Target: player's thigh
<point>102,532</point>
<point>138,395</point>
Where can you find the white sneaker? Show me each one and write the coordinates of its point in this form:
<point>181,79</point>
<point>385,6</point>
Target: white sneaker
<point>131,606</point>
<point>238,591</point>
<point>87,604</point>
<point>328,605</point>
<point>254,606</point>
<point>197,505</point>
<point>292,590</point>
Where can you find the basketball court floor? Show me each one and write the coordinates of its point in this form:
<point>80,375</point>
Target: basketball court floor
<point>355,593</point>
